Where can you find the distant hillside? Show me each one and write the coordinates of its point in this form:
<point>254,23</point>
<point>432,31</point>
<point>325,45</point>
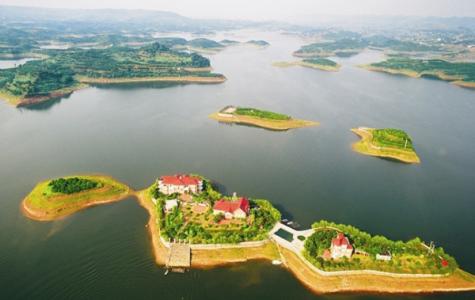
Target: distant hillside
<point>116,19</point>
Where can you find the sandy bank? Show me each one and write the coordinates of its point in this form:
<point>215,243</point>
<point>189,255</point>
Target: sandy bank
<point>186,79</point>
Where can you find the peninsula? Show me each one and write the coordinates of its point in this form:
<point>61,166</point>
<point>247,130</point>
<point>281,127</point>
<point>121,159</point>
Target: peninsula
<point>192,225</point>
<point>323,64</point>
<point>68,70</point>
<point>387,143</point>
<point>259,118</point>
<point>458,73</point>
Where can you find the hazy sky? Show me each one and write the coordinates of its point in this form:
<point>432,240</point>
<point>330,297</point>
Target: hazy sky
<point>273,9</point>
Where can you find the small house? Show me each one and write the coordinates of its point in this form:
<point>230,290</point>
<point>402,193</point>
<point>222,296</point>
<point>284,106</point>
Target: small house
<point>232,208</point>
<point>341,247</point>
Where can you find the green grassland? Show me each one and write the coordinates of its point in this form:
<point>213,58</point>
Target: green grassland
<point>263,114</point>
<point>407,257</point>
<point>390,137</point>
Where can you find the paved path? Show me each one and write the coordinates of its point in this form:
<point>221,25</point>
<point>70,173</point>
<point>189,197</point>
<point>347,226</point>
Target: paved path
<point>296,245</point>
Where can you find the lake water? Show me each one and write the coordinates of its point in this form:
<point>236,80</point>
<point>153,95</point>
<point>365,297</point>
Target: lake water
<point>138,132</point>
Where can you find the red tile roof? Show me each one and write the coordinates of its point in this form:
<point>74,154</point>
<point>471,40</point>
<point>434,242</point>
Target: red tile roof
<point>341,240</point>
<point>232,206</point>
<point>179,179</point>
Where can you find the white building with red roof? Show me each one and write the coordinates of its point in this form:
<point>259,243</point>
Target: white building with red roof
<point>341,247</point>
<point>232,208</point>
<point>180,184</point>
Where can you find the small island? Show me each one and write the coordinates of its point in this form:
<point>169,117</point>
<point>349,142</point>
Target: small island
<point>57,198</point>
<point>65,71</point>
<point>386,143</point>
<point>319,63</point>
<point>260,118</point>
<point>341,48</point>
<point>458,73</point>
<point>193,225</point>
<point>258,43</point>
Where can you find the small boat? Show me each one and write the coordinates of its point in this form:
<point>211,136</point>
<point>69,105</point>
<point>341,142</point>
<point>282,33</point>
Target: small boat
<point>284,221</point>
<point>166,272</point>
<point>290,223</point>
<point>276,262</point>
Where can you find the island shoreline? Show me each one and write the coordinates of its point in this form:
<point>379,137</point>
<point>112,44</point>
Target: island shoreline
<point>316,283</point>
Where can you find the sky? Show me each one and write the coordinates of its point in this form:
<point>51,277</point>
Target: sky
<point>285,10</point>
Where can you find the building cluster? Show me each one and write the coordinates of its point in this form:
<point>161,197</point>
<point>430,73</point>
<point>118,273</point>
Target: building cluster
<point>185,186</point>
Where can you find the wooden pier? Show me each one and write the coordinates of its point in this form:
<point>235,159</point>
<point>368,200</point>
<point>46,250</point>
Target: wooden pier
<point>179,257</point>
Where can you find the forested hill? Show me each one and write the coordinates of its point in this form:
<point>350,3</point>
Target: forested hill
<point>63,68</point>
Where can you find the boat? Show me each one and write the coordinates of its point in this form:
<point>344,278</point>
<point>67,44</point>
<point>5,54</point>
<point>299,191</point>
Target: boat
<point>276,262</point>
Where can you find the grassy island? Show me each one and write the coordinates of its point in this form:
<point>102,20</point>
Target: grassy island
<point>370,263</point>
<point>319,63</point>
<point>459,73</point>
<point>67,70</point>
<point>259,118</point>
<point>53,199</point>
<point>388,143</point>
<point>341,48</point>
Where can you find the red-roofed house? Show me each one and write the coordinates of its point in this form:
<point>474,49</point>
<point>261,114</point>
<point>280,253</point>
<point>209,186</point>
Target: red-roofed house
<point>232,209</point>
<point>180,184</point>
<point>341,247</point>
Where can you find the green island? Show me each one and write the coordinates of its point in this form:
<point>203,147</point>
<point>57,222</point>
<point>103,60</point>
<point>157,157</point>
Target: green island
<point>342,48</point>
<point>204,45</point>
<point>258,43</point>
<point>54,199</point>
<point>319,63</point>
<point>67,70</point>
<point>459,73</point>
<point>260,118</point>
<point>192,225</point>
<point>387,143</point>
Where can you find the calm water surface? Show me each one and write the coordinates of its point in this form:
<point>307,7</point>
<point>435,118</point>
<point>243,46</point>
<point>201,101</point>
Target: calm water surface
<point>138,132</point>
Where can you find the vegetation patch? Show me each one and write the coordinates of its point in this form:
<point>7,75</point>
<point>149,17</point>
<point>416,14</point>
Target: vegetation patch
<point>389,143</point>
<point>263,114</point>
<point>412,257</point>
<point>72,185</point>
<point>259,118</point>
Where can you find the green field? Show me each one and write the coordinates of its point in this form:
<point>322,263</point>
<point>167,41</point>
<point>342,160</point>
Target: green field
<point>263,114</point>
<point>390,137</point>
